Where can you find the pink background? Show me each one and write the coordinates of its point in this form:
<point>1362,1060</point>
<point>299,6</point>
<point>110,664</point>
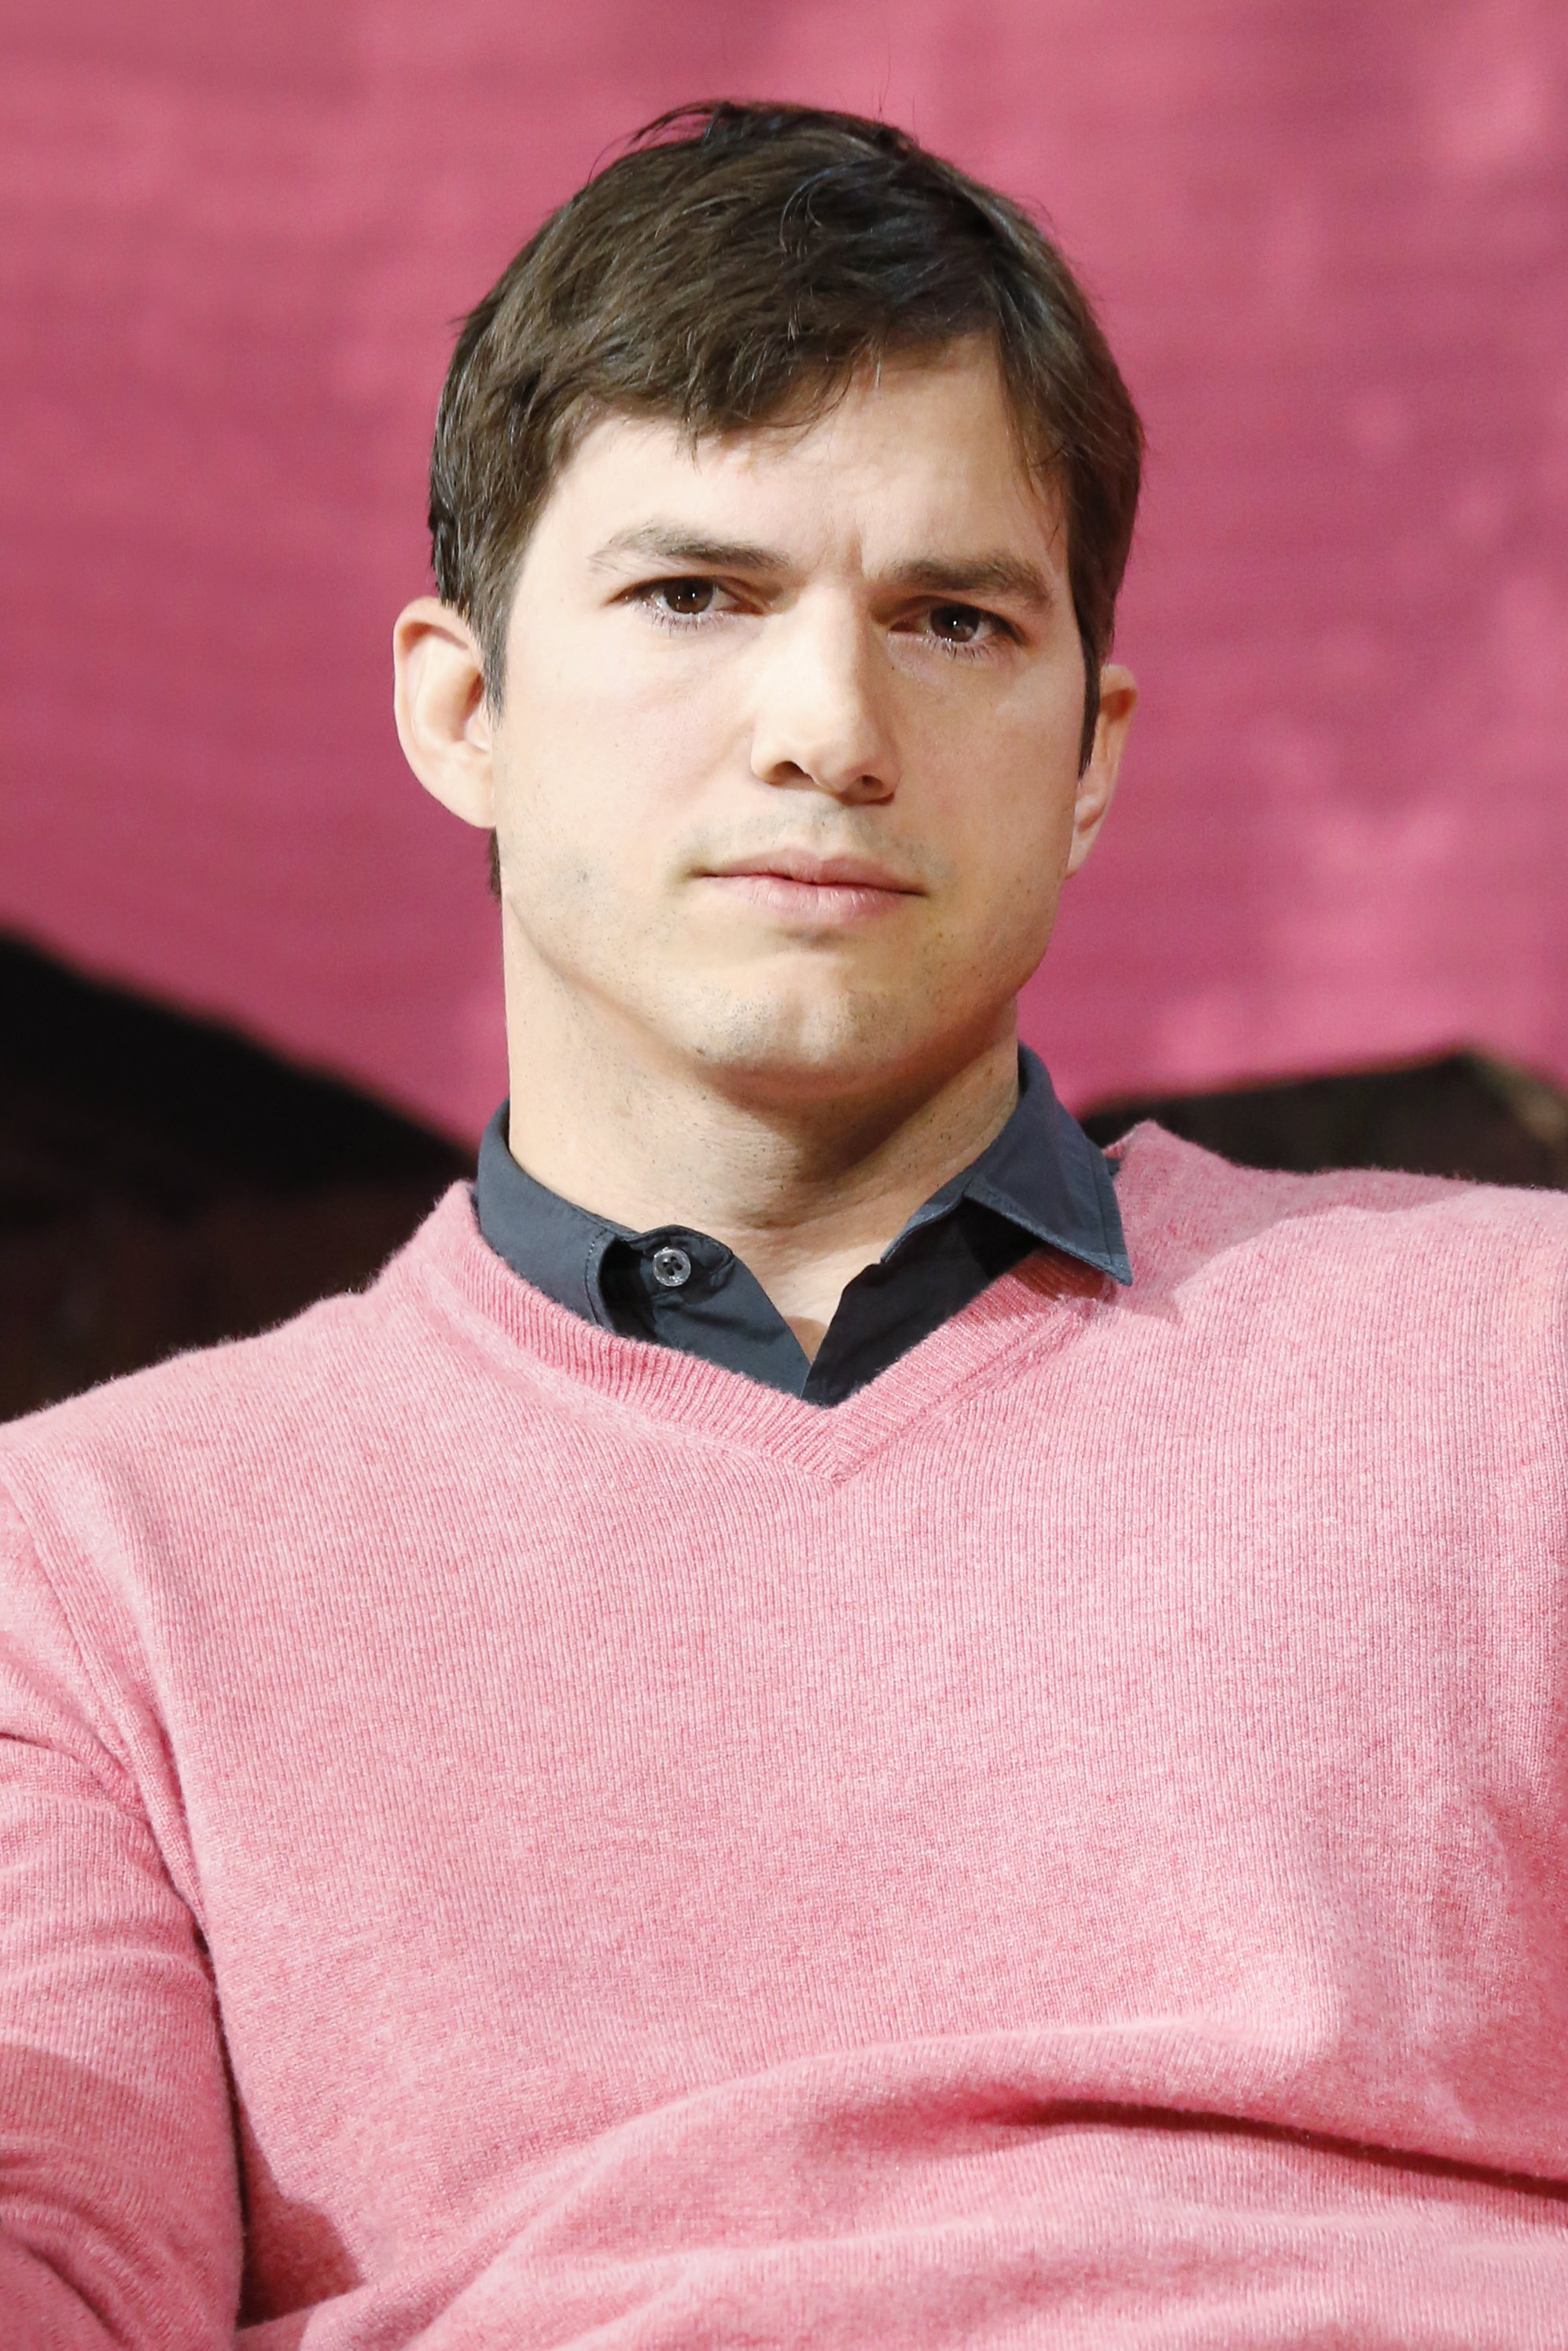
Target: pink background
<point>1331,245</point>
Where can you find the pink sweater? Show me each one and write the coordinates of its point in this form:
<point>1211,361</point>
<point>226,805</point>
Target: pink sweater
<point>514,1836</point>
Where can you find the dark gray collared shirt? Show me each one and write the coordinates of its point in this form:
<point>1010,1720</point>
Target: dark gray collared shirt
<point>1040,1183</point>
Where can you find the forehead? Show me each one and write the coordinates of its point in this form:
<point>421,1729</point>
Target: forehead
<point>923,449</point>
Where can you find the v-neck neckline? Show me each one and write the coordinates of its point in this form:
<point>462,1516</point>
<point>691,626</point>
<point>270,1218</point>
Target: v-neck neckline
<point>1038,1306</point>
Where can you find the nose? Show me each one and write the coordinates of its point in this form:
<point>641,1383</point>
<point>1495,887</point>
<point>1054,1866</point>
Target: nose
<point>821,714</point>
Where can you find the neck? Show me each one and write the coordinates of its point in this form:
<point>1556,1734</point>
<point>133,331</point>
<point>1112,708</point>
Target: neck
<point>807,1175</point>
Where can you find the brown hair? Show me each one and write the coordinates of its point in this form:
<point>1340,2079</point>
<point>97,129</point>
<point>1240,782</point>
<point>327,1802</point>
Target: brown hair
<point>740,263</point>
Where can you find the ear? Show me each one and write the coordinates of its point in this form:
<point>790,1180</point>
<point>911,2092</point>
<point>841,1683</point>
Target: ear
<point>1118,700</point>
<point>442,723</point>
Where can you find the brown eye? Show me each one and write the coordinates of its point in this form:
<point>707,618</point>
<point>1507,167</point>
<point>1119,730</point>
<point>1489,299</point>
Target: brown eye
<point>957,624</point>
<point>688,597</point>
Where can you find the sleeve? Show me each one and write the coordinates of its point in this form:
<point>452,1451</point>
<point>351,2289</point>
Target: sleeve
<point>119,2207</point>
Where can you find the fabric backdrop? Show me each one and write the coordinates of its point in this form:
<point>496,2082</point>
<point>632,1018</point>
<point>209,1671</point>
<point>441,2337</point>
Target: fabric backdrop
<point>1330,246</point>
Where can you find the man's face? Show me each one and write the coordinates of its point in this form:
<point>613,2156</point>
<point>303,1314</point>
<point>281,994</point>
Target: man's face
<point>849,639</point>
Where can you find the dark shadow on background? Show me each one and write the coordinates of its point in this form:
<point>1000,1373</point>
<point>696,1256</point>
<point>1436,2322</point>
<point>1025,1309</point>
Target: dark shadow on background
<point>165,1184</point>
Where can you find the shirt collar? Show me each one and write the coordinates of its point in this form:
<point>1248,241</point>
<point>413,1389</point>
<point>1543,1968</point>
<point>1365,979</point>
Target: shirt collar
<point>1041,1171</point>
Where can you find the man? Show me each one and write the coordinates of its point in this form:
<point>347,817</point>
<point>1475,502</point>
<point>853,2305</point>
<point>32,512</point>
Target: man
<point>826,1717</point>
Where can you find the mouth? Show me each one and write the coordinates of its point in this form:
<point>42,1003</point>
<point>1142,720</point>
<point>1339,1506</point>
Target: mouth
<point>814,892</point>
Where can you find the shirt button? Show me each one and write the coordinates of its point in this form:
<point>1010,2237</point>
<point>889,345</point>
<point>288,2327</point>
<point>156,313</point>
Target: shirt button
<point>671,1267</point>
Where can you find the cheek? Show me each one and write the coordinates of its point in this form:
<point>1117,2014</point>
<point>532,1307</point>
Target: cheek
<point>624,721</point>
<point>1014,770</point>
<point>1010,814</point>
<point>587,814</point>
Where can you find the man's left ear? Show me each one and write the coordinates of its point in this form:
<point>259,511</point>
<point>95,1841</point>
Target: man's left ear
<point>1118,700</point>
<point>443,721</point>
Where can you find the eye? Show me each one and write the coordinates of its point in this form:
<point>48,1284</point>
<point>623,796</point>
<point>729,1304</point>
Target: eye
<point>681,600</point>
<point>962,624</point>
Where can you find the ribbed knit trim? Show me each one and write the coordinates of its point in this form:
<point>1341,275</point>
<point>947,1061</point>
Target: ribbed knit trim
<point>1042,1304</point>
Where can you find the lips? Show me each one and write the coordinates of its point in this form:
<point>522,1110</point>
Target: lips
<point>823,873</point>
<point>813,908</point>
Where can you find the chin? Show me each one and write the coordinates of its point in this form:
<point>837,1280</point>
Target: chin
<point>806,1053</point>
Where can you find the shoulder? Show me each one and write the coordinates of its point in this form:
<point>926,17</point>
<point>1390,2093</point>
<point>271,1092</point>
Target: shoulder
<point>186,1422</point>
<point>1185,1207</point>
<point>329,1385</point>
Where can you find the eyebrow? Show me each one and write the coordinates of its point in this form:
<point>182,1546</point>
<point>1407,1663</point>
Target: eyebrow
<point>961,578</point>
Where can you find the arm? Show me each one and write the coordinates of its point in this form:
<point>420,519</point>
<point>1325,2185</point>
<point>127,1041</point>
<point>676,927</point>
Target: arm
<point>119,2219</point>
